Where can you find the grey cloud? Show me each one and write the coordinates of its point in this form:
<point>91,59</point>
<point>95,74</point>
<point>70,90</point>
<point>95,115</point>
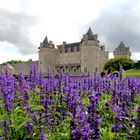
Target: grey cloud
<point>119,24</point>
<point>14,28</point>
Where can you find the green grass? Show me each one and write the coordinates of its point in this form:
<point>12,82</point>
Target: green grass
<point>132,72</point>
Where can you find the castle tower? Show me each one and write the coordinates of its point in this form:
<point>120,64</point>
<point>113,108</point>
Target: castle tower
<point>93,54</point>
<point>122,51</point>
<point>47,56</point>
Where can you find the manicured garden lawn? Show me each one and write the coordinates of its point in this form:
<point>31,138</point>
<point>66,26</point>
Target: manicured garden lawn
<point>132,72</point>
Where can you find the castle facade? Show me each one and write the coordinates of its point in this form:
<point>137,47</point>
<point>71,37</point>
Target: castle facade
<point>87,55</point>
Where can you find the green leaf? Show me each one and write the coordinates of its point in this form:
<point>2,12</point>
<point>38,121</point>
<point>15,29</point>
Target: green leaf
<point>137,99</point>
<point>20,126</point>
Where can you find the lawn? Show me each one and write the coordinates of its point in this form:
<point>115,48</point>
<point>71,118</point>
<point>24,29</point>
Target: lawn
<point>132,72</point>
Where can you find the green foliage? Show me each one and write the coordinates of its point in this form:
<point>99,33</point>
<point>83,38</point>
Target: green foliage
<point>104,112</point>
<point>116,73</point>
<point>108,118</point>
<point>137,99</point>
<point>114,64</point>
<point>12,62</point>
<point>137,65</point>
<point>107,134</point>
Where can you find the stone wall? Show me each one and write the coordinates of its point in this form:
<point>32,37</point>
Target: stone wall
<point>103,58</point>
<point>124,55</point>
<point>47,59</point>
<point>24,67</point>
<point>68,58</point>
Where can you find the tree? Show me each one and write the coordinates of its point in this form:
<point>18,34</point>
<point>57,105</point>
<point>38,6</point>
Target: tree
<point>114,64</point>
<point>11,62</point>
<point>137,64</point>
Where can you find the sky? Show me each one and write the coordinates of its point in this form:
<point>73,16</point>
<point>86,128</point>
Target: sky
<point>25,23</point>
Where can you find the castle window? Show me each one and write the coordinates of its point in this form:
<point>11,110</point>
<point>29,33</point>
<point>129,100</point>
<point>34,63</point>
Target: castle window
<point>85,69</point>
<point>72,49</point>
<point>78,49</point>
<point>40,62</point>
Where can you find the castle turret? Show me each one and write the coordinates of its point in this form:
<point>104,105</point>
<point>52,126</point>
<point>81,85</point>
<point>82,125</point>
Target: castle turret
<point>93,55</point>
<point>47,56</point>
<point>122,51</point>
<point>90,34</point>
<point>45,40</point>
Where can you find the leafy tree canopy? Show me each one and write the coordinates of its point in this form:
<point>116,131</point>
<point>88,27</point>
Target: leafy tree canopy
<point>137,64</point>
<point>11,62</point>
<point>115,64</point>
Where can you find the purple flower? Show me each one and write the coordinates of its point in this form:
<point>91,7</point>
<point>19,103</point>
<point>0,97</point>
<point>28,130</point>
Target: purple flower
<point>29,127</point>
<point>5,128</point>
<point>7,84</point>
<point>42,136</point>
<point>33,116</point>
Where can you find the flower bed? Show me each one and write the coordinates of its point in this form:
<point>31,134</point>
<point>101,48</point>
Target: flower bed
<point>64,107</point>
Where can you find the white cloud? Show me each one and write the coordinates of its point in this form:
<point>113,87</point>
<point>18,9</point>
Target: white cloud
<point>10,52</point>
<point>61,20</point>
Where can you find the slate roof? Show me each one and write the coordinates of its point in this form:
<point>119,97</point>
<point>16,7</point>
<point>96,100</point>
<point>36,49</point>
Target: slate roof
<point>45,40</point>
<point>122,47</point>
<point>90,34</point>
<point>71,45</point>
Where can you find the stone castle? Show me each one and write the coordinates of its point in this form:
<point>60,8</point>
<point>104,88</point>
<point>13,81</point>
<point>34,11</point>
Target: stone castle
<point>87,55</point>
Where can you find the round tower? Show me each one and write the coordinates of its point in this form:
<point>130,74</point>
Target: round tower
<point>47,56</point>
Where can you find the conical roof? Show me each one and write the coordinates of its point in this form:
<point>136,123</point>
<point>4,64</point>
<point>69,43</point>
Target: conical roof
<point>121,46</point>
<point>90,34</point>
<point>45,40</point>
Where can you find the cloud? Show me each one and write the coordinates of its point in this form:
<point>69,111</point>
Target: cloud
<point>119,23</point>
<point>14,29</point>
